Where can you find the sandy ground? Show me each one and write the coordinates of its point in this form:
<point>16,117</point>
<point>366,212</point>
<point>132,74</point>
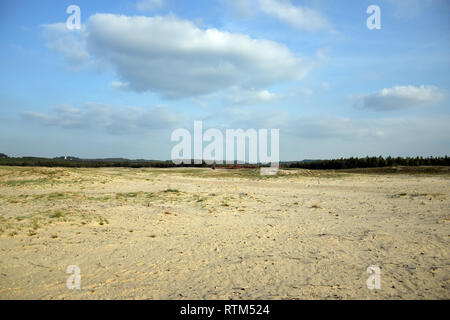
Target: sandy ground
<point>205,234</point>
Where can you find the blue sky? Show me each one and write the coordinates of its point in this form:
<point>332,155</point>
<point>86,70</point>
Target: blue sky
<point>137,70</point>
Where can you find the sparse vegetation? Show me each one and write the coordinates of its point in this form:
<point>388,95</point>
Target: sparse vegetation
<point>126,195</point>
<point>57,214</point>
<point>42,219</point>
<point>172,190</point>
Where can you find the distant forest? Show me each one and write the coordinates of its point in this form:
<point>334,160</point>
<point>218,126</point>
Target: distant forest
<point>347,163</point>
<point>369,162</point>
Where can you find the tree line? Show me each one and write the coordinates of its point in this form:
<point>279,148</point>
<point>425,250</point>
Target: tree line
<point>369,162</point>
<point>342,163</point>
<point>81,163</point>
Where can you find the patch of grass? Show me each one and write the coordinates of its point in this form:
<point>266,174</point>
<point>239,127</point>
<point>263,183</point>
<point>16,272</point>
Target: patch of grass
<point>102,221</point>
<point>127,195</point>
<point>172,190</point>
<point>100,198</point>
<point>198,198</point>
<point>58,214</point>
<point>418,195</point>
<point>20,183</point>
<point>35,224</point>
<point>55,196</point>
<point>38,220</point>
<point>32,221</point>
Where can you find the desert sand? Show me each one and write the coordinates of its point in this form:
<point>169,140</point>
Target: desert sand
<point>222,234</point>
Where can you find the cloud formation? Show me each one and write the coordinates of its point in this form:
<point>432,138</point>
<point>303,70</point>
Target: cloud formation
<point>119,85</point>
<point>299,17</point>
<point>71,44</point>
<point>236,95</point>
<point>400,97</point>
<point>124,120</point>
<point>175,58</point>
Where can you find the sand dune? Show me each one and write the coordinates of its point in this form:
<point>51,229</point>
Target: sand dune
<point>217,234</point>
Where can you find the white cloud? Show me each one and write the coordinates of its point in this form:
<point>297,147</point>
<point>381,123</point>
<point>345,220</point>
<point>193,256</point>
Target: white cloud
<point>177,59</point>
<point>174,57</point>
<point>299,17</point>
<point>70,43</point>
<point>237,95</point>
<point>124,120</point>
<point>400,97</point>
<point>148,5</point>
<point>119,85</point>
